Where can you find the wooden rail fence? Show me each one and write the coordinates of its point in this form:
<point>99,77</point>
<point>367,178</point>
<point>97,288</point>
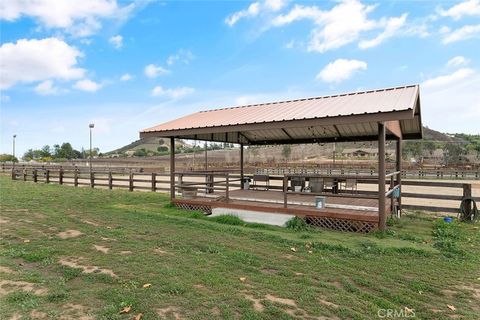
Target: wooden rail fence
<point>209,182</point>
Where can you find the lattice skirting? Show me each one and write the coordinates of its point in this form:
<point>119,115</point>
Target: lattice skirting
<point>195,207</point>
<point>341,224</point>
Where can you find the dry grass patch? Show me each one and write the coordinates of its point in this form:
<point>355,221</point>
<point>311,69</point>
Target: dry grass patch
<point>8,286</point>
<point>101,248</point>
<point>169,311</point>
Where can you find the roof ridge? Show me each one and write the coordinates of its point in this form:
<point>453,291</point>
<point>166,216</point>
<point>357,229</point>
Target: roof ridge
<point>312,98</point>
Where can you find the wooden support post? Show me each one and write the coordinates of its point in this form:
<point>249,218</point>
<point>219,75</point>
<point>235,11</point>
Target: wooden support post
<point>382,219</point>
<point>34,175</point>
<point>110,180</point>
<point>206,156</point>
<point>14,174</point>
<point>75,177</point>
<point>467,194</point>
<point>392,202</point>
<point>92,179</point>
<point>24,174</point>
<point>285,190</point>
<point>398,167</point>
<point>60,176</point>
<point>130,181</point>
<point>154,182</point>
<point>227,190</point>
<point>47,176</point>
<point>241,166</point>
<point>172,168</point>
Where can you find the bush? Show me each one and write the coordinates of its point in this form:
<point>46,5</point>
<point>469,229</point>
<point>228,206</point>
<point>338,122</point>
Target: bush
<point>297,224</point>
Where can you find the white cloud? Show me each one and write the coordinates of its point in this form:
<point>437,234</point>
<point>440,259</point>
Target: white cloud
<point>87,85</point>
<point>392,25</point>
<point>46,88</point>
<point>153,71</point>
<point>173,93</point>
<point>341,25</point>
<point>126,77</point>
<point>465,8</point>
<point>116,41</point>
<point>463,33</point>
<point>449,79</point>
<point>458,61</point>
<point>254,9</point>
<point>454,107</point>
<point>36,60</point>
<point>341,69</point>
<point>184,56</point>
<point>79,18</point>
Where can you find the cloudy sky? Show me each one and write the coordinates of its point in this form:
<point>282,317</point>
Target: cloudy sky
<point>128,65</point>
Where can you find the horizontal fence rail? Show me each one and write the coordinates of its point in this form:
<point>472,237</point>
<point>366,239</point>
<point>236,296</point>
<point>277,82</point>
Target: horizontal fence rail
<point>208,182</point>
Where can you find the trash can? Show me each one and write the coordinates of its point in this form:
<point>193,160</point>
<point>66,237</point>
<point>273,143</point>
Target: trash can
<point>246,183</point>
<point>320,202</point>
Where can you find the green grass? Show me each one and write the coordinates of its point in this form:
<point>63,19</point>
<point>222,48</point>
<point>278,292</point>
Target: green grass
<point>194,263</point>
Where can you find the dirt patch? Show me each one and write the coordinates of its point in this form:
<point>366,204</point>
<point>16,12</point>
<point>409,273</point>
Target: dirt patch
<point>160,251</point>
<point>101,248</point>
<point>125,252</point>
<point>108,239</point>
<point>257,304</point>
<point>299,274</point>
<point>288,302</point>
<point>2,221</point>
<point>174,311</point>
<point>474,290</point>
<point>16,316</point>
<point>75,311</point>
<point>328,303</point>
<point>6,270</point>
<point>7,286</point>
<point>35,314</point>
<point>91,223</point>
<point>73,263</point>
<point>69,234</point>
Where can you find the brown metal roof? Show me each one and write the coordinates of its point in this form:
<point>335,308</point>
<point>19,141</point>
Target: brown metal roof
<point>342,117</point>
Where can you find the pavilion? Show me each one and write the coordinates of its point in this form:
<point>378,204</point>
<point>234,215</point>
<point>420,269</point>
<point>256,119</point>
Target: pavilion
<point>373,115</point>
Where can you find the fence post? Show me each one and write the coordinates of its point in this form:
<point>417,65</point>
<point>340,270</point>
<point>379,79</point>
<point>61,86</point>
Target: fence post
<point>14,174</point>
<point>75,177</point>
<point>34,175</point>
<point>467,194</point>
<point>130,182</point>
<point>60,176</point>
<point>285,190</point>
<point>92,179</point>
<point>110,180</point>
<point>24,174</point>
<point>47,176</point>
<point>227,191</point>
<point>154,182</point>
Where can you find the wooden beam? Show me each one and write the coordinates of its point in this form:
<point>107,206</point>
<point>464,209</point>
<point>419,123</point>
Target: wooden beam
<point>288,135</point>
<point>382,222</point>
<point>172,168</point>
<point>394,128</point>
<point>398,167</point>
<point>241,166</point>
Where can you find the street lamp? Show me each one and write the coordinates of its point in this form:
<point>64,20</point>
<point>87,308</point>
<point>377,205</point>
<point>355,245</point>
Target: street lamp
<point>13,153</point>
<point>91,126</point>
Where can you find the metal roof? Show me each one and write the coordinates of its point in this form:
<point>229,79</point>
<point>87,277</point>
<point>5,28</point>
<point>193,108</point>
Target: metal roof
<point>343,117</point>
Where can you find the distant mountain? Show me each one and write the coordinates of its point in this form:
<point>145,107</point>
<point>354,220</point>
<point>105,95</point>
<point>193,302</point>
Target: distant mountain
<point>149,144</point>
<point>433,135</point>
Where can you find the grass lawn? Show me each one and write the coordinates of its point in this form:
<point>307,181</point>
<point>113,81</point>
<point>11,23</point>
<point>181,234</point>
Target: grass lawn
<point>78,253</point>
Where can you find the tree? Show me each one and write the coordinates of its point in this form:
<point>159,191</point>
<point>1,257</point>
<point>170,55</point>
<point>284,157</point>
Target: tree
<point>286,152</point>
<point>140,153</point>
<point>452,153</point>
<point>7,157</point>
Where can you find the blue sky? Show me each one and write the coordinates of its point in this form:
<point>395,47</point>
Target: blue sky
<point>128,65</point>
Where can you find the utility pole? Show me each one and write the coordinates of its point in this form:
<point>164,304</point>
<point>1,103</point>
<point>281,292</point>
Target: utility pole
<point>13,151</point>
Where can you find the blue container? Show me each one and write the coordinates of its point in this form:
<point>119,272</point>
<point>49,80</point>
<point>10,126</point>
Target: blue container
<point>448,219</point>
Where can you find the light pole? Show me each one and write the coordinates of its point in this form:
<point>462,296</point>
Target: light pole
<point>13,151</point>
<point>91,126</point>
